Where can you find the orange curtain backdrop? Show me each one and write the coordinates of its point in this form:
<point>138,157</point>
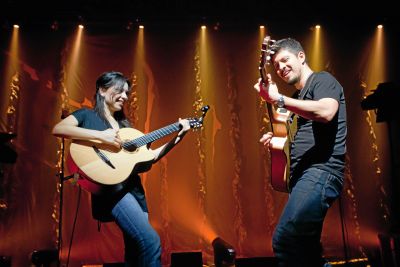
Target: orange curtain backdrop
<point>237,202</point>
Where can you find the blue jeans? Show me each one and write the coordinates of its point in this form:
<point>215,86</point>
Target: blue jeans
<point>142,243</point>
<point>296,240</point>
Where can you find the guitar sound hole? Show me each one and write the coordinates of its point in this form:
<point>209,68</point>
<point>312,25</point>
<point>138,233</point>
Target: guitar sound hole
<point>130,148</point>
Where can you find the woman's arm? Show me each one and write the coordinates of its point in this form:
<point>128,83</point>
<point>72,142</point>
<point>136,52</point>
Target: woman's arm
<point>164,149</point>
<point>68,128</point>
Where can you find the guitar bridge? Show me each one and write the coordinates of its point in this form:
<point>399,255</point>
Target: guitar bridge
<point>103,157</point>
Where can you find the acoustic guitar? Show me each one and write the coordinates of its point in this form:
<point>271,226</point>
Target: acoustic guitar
<point>100,168</point>
<point>283,124</point>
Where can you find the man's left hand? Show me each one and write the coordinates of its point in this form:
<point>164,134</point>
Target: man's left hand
<point>268,91</point>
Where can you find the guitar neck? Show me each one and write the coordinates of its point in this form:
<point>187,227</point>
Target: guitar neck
<point>154,135</point>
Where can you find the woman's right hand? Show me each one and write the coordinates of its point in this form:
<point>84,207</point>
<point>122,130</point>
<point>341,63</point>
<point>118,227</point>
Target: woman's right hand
<point>111,137</point>
<point>266,138</point>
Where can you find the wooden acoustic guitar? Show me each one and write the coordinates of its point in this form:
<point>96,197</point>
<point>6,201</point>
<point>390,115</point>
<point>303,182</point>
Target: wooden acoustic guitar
<point>100,168</point>
<point>283,124</point>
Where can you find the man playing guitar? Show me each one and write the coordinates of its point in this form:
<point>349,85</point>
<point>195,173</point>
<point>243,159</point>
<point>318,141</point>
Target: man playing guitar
<point>317,153</point>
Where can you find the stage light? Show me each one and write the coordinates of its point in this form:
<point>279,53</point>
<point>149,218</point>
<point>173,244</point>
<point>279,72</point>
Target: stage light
<point>54,25</point>
<point>129,25</point>
<point>262,27</point>
<point>141,27</point>
<point>203,27</point>
<point>16,26</point>
<point>383,101</point>
<point>224,253</point>
<point>318,26</point>
<point>380,26</point>
<point>80,21</point>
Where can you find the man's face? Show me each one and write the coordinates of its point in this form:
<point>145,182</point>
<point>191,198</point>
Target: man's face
<point>288,66</point>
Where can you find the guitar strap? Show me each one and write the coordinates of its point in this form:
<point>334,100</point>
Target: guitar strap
<point>292,121</point>
<point>307,86</point>
<point>305,89</point>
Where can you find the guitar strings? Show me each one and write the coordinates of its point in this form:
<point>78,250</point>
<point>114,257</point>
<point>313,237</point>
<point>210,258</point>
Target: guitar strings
<point>150,137</point>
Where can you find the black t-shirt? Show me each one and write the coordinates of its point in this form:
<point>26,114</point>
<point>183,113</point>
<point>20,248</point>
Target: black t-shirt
<point>103,204</point>
<point>317,144</point>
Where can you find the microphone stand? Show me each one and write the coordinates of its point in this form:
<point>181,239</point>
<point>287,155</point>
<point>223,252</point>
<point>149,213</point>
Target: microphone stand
<point>62,178</point>
<point>61,183</point>
<point>345,248</point>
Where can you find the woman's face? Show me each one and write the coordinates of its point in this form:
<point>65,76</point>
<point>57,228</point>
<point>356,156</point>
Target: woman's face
<point>114,98</point>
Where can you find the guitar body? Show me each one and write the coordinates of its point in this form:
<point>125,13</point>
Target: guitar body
<point>284,124</point>
<point>96,175</point>
<point>102,168</point>
<point>280,162</point>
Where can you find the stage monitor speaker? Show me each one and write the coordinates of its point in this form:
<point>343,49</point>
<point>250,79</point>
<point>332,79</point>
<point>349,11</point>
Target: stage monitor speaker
<point>5,261</point>
<point>186,259</point>
<point>257,262</point>
<point>45,257</point>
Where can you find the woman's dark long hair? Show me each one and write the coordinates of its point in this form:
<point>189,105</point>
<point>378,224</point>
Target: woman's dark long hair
<point>106,81</point>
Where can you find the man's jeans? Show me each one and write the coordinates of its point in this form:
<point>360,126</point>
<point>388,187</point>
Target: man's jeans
<point>142,243</point>
<point>296,240</point>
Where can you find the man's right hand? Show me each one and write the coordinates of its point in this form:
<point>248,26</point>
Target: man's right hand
<point>266,138</point>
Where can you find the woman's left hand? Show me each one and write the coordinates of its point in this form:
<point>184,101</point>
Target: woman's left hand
<point>185,127</point>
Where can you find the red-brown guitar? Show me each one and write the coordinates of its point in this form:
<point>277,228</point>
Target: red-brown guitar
<point>281,127</point>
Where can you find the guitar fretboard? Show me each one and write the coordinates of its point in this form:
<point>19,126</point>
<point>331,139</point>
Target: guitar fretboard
<point>152,136</point>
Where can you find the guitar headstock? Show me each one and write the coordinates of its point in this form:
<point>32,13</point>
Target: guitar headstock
<point>265,58</point>
<point>196,123</point>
